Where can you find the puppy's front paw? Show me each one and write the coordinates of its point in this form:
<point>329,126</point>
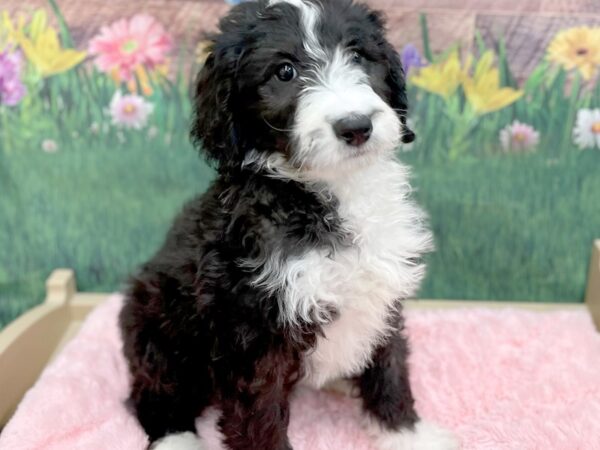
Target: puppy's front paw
<point>424,436</point>
<point>178,441</point>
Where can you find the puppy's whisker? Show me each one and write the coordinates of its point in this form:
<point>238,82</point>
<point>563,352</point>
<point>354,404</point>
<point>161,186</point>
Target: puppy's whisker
<point>282,130</point>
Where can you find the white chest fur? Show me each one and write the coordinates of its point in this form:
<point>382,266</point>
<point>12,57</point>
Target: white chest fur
<point>361,282</point>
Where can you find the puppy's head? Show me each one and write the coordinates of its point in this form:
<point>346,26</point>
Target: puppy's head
<point>306,86</point>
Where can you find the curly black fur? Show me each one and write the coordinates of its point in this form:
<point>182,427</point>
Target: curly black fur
<point>197,331</point>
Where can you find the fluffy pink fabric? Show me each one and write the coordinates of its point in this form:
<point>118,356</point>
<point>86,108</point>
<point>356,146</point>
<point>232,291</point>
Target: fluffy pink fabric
<point>499,379</point>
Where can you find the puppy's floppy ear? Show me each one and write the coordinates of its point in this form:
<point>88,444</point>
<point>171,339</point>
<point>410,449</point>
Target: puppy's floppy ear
<point>397,83</point>
<point>213,128</point>
<point>395,79</point>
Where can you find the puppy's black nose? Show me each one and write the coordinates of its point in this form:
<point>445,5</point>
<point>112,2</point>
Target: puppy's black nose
<point>354,130</point>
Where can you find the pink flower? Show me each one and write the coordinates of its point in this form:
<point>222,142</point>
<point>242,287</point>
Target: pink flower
<point>518,137</point>
<point>126,44</point>
<point>12,89</point>
<point>130,111</point>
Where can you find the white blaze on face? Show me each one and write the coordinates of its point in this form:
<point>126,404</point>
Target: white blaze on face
<point>309,14</point>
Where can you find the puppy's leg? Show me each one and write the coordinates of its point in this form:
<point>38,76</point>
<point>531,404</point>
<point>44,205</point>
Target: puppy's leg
<point>170,380</point>
<point>167,412</point>
<point>166,394</point>
<point>255,423</point>
<point>257,415</point>
<point>389,404</point>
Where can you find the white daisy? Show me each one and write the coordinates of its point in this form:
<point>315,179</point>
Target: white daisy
<point>586,133</point>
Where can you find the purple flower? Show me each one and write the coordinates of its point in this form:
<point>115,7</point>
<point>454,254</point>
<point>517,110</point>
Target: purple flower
<point>411,57</point>
<point>12,89</point>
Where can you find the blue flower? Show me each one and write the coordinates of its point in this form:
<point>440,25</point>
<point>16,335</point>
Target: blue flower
<point>411,57</point>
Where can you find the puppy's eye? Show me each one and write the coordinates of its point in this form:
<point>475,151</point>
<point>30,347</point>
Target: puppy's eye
<point>356,57</point>
<point>286,72</point>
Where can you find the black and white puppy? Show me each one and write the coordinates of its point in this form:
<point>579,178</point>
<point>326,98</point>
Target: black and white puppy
<point>290,268</point>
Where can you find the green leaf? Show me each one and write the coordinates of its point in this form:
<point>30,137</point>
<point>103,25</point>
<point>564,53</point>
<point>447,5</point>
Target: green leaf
<point>506,76</point>
<point>425,37</point>
<point>481,47</point>
<point>537,77</point>
<point>64,29</point>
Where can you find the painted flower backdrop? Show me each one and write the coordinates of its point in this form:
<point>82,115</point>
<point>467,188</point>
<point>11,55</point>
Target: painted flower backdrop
<point>94,136</point>
<point>136,54</point>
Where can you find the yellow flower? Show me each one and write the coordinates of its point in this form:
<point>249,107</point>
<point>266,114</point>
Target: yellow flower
<point>577,48</point>
<point>11,31</point>
<point>8,30</point>
<point>483,90</point>
<point>442,78</point>
<point>39,22</point>
<point>42,47</point>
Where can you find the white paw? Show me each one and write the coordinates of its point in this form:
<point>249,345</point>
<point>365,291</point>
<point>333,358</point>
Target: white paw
<point>425,436</point>
<point>178,441</point>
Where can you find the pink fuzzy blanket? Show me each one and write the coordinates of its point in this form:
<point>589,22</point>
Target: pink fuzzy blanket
<point>501,379</point>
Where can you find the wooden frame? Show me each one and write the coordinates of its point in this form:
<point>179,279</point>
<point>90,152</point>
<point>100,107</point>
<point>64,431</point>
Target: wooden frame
<point>33,339</point>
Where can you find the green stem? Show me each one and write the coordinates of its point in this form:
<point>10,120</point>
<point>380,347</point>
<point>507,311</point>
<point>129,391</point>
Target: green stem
<point>5,179</point>
<point>571,111</point>
<point>425,36</point>
<point>62,23</point>
<point>4,127</point>
<point>463,124</point>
